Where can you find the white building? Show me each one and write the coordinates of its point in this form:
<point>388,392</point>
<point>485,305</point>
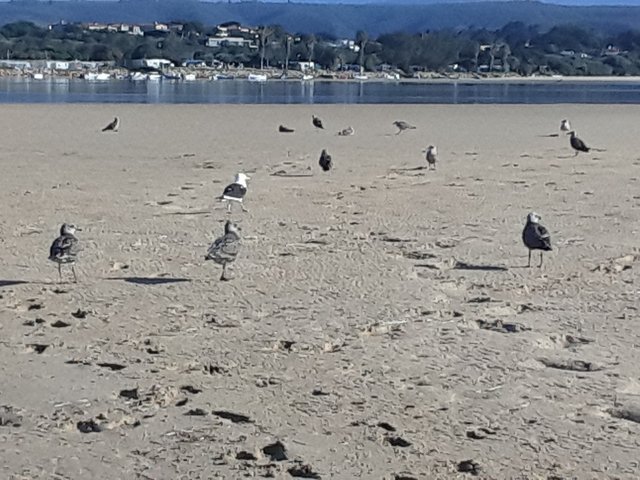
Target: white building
<point>157,63</point>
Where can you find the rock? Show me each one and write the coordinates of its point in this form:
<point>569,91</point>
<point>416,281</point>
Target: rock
<point>277,452</point>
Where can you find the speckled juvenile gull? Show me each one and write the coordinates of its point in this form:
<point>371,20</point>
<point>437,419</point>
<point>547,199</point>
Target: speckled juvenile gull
<point>432,156</point>
<point>236,191</point>
<point>347,131</point>
<point>65,248</point>
<point>535,236</point>
<point>224,249</point>
<point>402,126</point>
<point>325,162</point>
<point>317,122</point>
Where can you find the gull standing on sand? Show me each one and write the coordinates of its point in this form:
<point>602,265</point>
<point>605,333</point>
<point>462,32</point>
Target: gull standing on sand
<point>402,126</point>
<point>65,248</point>
<point>347,131</point>
<point>113,126</point>
<point>317,122</point>
<point>565,126</point>
<point>431,156</point>
<point>224,249</point>
<point>235,192</point>
<point>577,144</point>
<point>325,161</point>
<point>535,236</point>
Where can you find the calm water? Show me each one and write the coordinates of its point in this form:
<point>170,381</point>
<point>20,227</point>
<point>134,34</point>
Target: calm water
<point>240,91</point>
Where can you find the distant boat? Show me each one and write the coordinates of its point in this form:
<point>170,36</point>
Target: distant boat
<point>171,76</point>
<point>93,76</point>
<point>138,76</point>
<point>38,76</point>
<point>306,78</point>
<point>222,76</point>
<point>361,77</point>
<point>257,77</point>
<point>154,77</point>
<point>189,77</point>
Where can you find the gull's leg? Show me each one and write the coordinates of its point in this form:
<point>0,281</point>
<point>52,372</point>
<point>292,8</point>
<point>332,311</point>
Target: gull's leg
<point>59,272</point>
<point>529,264</point>
<point>244,209</point>
<point>75,277</point>
<point>228,206</point>
<point>540,266</point>
<point>223,277</point>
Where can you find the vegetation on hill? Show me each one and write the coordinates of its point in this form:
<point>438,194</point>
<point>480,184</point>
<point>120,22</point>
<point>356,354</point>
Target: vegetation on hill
<point>566,49</point>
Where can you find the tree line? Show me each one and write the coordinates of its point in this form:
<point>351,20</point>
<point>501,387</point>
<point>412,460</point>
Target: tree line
<point>514,48</point>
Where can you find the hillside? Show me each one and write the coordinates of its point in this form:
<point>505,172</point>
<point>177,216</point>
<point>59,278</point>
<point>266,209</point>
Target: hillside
<point>338,20</point>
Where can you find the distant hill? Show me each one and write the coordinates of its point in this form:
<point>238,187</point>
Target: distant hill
<point>339,20</point>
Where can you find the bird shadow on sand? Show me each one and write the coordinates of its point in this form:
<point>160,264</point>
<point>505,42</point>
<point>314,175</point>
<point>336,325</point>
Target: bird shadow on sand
<point>485,268</point>
<point>10,283</point>
<point>150,280</point>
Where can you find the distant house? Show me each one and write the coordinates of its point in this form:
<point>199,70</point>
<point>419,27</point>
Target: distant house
<point>157,63</point>
<point>303,66</point>
<point>57,65</point>
<point>15,64</point>
<point>223,41</point>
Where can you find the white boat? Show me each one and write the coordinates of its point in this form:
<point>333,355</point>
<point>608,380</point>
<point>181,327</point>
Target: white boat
<point>101,77</point>
<point>189,77</point>
<point>257,77</point>
<point>361,77</point>
<point>306,78</point>
<point>138,76</point>
<point>154,77</point>
<point>38,76</point>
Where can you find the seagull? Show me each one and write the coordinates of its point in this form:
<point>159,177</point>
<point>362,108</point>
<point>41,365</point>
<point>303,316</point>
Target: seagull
<point>113,126</point>
<point>224,249</point>
<point>316,122</point>
<point>65,248</point>
<point>283,129</point>
<point>431,156</point>
<point>347,131</point>
<point>235,192</point>
<point>535,236</point>
<point>577,144</point>
<point>565,126</point>
<point>325,161</point>
<point>402,126</point>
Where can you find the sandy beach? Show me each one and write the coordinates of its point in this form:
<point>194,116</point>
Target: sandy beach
<point>380,322</point>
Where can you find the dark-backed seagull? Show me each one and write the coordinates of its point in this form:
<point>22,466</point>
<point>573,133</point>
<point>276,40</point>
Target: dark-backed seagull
<point>316,122</point>
<point>577,144</point>
<point>65,248</point>
<point>236,191</point>
<point>402,126</point>
<point>325,161</point>
<point>113,126</point>
<point>224,249</point>
<point>535,236</point>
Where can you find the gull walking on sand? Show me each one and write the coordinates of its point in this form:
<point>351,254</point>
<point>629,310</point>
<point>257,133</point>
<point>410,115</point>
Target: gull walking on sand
<point>577,144</point>
<point>65,248</point>
<point>235,192</point>
<point>224,249</point>
<point>317,122</point>
<point>565,126</point>
<point>325,161</point>
<point>431,156</point>
<point>402,126</point>
<point>535,236</point>
<point>113,126</point>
